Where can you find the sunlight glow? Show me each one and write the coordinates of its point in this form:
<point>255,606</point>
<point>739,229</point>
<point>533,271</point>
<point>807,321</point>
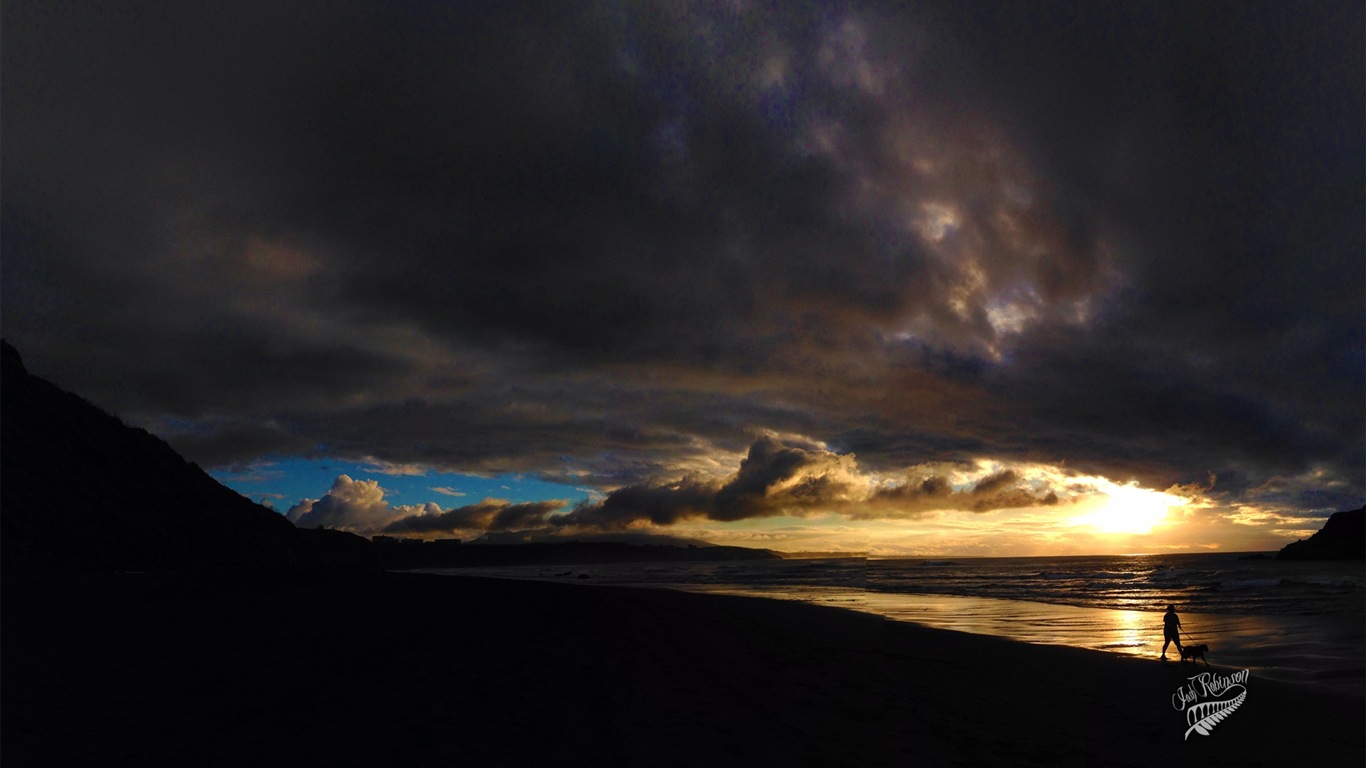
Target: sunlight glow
<point>1129,509</point>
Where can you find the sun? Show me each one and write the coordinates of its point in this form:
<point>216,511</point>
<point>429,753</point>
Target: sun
<point>1129,509</point>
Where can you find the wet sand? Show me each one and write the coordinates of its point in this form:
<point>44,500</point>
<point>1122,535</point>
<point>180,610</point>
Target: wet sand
<point>417,670</point>
<point>1322,650</point>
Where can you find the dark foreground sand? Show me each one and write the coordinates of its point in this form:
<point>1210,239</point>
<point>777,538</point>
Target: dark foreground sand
<point>412,670</point>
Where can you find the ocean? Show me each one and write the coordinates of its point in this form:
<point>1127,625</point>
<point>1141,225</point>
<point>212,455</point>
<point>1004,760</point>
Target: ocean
<point>1295,621</point>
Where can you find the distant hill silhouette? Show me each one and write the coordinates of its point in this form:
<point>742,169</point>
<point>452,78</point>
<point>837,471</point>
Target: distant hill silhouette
<point>81,490</point>
<point>1343,537</point>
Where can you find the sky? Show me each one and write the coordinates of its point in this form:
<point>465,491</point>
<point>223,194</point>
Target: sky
<point>898,278</point>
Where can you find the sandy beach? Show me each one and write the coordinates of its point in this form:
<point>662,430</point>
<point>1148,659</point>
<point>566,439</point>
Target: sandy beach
<point>376,669</point>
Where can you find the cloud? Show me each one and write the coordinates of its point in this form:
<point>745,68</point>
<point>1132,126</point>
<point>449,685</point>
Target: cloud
<point>390,468</point>
<point>359,506</point>
<point>488,515</point>
<point>797,477</point>
<point>994,483</point>
<point>804,495</point>
<point>781,475</point>
<point>353,505</point>
<point>1122,237</point>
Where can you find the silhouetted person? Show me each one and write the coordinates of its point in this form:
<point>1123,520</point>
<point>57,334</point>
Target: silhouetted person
<point>1171,630</point>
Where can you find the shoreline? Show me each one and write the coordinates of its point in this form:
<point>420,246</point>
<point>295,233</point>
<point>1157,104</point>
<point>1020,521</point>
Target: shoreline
<point>413,669</point>
<point>1023,621</point>
<point>1313,650</point>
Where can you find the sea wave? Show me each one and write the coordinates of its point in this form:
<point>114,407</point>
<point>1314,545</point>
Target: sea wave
<point>1249,583</point>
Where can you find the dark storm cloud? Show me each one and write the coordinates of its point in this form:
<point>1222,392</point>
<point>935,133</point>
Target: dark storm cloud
<point>775,477</point>
<point>995,482</point>
<point>1219,138</point>
<point>605,243</point>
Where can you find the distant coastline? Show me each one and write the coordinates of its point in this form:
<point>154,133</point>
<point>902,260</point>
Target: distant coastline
<point>1343,537</point>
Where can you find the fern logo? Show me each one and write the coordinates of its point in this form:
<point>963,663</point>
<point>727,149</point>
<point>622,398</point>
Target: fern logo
<point>1208,698</point>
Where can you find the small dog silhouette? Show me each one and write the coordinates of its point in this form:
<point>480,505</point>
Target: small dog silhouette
<point>1195,651</point>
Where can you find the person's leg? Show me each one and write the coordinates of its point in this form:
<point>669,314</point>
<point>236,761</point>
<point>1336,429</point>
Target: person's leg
<point>1166,642</point>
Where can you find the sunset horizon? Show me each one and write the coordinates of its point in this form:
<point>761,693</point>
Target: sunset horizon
<point>1092,516</point>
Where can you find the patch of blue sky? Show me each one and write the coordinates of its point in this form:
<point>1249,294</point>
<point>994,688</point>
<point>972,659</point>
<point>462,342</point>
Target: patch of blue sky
<point>282,483</point>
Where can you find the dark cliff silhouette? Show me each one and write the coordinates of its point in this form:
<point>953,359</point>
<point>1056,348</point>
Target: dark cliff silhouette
<point>1343,537</point>
<point>79,489</point>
